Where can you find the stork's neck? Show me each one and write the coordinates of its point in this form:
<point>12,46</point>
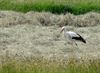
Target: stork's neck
<point>65,30</point>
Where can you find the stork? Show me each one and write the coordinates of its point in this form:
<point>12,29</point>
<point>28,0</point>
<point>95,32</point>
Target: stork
<point>72,36</point>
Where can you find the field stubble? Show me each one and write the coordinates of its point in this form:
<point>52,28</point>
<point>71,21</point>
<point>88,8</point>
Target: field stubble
<point>36,34</point>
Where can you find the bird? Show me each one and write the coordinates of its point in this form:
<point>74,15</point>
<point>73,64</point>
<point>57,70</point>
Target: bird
<point>72,36</point>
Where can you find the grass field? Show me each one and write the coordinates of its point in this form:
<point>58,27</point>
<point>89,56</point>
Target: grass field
<point>54,6</point>
<point>40,65</point>
<point>29,43</point>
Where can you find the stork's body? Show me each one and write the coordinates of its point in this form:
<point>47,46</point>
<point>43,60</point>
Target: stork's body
<point>73,36</point>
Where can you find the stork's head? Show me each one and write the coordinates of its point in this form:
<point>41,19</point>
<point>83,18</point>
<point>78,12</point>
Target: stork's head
<point>63,29</point>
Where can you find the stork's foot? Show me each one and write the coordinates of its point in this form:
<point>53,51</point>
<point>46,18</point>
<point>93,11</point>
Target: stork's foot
<point>69,42</point>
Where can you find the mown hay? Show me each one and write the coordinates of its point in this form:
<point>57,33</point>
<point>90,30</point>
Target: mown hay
<point>89,19</point>
<point>8,18</point>
<point>25,39</point>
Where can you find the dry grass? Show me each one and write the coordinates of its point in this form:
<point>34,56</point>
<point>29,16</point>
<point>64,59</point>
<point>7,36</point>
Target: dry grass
<point>32,35</point>
<point>28,40</point>
<point>9,18</point>
<point>29,43</point>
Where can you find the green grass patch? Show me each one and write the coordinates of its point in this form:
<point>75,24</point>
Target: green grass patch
<point>49,66</point>
<point>56,6</point>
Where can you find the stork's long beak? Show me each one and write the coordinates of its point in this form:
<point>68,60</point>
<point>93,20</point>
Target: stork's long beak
<point>61,30</point>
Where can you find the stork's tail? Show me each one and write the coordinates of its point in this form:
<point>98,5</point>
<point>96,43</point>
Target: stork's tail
<point>82,39</point>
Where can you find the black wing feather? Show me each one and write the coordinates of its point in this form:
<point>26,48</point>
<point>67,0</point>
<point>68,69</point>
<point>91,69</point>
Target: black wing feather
<point>80,38</point>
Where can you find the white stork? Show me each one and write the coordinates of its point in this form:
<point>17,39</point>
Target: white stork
<point>72,36</point>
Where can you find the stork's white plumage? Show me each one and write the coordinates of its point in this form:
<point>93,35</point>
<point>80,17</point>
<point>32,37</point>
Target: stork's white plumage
<point>73,36</point>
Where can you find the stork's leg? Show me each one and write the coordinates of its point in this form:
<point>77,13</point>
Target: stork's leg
<point>73,46</point>
<point>76,44</point>
<point>77,47</point>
